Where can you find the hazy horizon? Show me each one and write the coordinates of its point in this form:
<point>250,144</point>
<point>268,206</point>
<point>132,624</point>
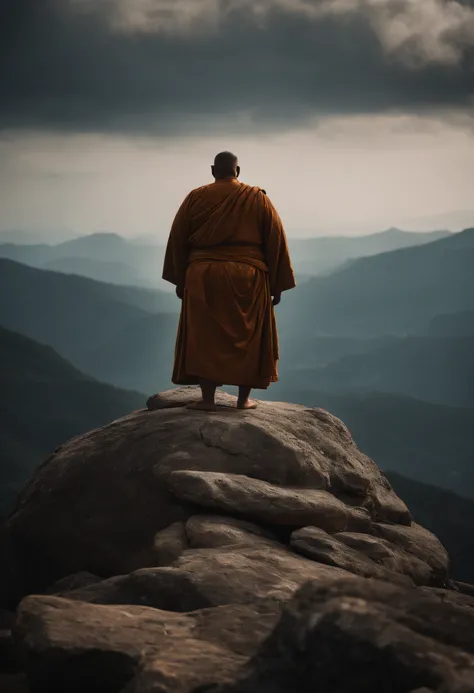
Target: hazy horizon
<point>56,236</point>
<point>357,183</point>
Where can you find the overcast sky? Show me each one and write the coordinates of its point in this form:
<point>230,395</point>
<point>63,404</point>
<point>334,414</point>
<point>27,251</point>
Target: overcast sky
<point>354,115</point>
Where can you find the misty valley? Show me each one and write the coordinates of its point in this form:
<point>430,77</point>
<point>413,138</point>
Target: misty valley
<point>380,332</point>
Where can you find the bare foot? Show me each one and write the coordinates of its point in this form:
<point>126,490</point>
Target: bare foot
<point>202,406</point>
<point>248,404</point>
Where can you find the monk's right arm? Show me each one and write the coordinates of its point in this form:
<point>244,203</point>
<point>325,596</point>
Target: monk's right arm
<point>176,256</point>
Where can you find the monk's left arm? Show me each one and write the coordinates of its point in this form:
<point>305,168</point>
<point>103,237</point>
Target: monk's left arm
<point>282,277</point>
<point>176,256</point>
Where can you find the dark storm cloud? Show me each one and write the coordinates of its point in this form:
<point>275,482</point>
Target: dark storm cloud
<point>66,66</point>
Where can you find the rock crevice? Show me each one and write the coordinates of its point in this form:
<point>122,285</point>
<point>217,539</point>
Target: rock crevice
<point>170,542</point>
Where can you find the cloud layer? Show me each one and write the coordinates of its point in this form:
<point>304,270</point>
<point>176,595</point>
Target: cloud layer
<point>187,66</point>
<point>419,32</point>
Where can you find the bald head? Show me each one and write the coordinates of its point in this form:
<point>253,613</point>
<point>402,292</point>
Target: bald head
<point>226,165</point>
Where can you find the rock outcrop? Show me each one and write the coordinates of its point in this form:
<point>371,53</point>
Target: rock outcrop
<point>167,543</point>
<point>363,635</point>
<point>71,646</point>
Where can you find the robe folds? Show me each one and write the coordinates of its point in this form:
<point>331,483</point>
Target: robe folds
<point>227,252</point>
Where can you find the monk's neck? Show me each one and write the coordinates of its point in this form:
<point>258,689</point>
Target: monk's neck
<point>230,179</point>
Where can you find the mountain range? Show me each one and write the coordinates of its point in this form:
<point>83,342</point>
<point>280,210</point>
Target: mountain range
<point>394,293</point>
<point>109,257</point>
<point>320,255</point>
<point>105,257</point>
<point>436,369</point>
<point>44,401</point>
<point>71,313</point>
<point>137,356</point>
<point>392,357</point>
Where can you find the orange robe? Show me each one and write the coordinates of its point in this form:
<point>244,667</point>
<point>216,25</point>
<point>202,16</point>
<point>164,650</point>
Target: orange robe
<point>228,251</point>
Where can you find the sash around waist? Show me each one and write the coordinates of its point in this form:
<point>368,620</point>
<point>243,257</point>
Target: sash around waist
<point>248,254</point>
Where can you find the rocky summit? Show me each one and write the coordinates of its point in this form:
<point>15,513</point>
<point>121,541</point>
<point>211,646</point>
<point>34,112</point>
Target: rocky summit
<point>178,551</point>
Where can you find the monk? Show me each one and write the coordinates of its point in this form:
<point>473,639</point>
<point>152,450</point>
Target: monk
<point>228,257</point>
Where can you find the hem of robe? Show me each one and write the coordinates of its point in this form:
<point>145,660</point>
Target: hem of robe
<point>259,384</point>
<point>266,370</point>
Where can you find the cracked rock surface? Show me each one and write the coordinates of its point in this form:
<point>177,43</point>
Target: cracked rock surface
<point>179,551</point>
<point>363,636</point>
<point>125,494</point>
